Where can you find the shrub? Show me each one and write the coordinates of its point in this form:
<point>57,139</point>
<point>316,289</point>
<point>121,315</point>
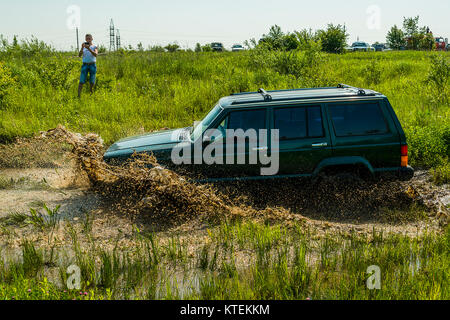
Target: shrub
<point>172,47</point>
<point>373,72</point>
<point>333,39</point>
<point>396,38</point>
<point>429,146</point>
<point>441,174</point>
<point>54,72</point>
<point>439,74</point>
<point>401,69</point>
<point>26,48</point>
<point>6,82</point>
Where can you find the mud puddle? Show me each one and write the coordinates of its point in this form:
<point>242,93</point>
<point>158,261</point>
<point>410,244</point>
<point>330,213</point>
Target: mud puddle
<point>143,192</point>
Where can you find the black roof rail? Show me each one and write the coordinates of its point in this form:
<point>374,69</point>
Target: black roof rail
<point>361,92</point>
<point>267,97</point>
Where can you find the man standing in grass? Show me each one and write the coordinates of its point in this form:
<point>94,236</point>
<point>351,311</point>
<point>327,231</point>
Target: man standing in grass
<point>89,52</point>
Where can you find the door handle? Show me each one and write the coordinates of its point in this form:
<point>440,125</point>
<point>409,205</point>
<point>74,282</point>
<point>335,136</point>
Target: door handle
<point>320,145</point>
<point>260,149</point>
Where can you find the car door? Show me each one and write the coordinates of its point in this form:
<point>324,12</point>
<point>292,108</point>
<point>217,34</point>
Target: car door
<point>303,138</point>
<point>238,152</point>
<point>363,129</point>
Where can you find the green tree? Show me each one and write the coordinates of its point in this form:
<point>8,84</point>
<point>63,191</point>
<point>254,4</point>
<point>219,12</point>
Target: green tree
<point>198,47</point>
<point>427,42</point>
<point>333,39</point>
<point>290,42</point>
<point>206,48</point>
<point>413,34</point>
<point>172,47</point>
<point>396,38</point>
<point>250,44</point>
<point>15,41</point>
<point>274,39</point>
<point>411,26</point>
<point>157,48</point>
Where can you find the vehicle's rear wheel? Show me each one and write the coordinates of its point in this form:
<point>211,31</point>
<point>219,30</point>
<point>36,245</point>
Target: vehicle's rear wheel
<point>357,176</point>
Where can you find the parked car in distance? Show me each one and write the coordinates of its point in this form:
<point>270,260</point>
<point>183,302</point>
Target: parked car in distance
<point>327,131</point>
<point>237,48</point>
<point>217,46</point>
<point>381,47</point>
<point>361,46</point>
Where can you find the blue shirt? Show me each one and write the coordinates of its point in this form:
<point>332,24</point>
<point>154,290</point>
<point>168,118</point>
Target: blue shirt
<point>89,57</point>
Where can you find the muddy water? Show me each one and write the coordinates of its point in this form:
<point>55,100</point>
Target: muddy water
<point>142,187</point>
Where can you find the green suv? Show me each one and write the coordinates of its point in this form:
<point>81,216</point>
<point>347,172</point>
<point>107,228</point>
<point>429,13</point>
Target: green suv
<point>307,131</point>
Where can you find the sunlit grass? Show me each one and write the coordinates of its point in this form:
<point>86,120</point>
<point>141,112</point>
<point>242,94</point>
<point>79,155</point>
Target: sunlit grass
<point>282,263</point>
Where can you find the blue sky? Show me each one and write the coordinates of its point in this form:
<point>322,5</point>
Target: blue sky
<point>204,21</point>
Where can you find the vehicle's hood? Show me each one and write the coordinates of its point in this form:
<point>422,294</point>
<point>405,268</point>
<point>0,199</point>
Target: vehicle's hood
<point>156,140</point>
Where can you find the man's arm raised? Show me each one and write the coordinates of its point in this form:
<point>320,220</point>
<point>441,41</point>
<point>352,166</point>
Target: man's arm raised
<point>94,53</point>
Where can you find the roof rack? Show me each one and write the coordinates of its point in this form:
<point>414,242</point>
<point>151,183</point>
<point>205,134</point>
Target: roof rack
<point>361,92</point>
<point>267,97</point>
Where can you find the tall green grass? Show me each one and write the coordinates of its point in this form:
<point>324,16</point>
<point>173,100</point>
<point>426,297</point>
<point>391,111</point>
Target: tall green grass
<point>239,260</point>
<point>145,91</point>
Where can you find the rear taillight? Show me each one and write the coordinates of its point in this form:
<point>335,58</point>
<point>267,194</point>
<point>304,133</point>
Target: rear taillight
<point>404,155</point>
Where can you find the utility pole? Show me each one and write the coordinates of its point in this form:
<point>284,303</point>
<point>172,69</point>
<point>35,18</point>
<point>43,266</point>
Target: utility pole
<point>78,43</point>
<point>117,39</point>
<point>112,37</point>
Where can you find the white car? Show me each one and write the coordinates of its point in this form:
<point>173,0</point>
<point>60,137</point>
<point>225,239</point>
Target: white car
<point>237,47</point>
<point>361,46</point>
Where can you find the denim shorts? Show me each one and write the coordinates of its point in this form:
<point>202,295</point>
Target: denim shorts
<point>88,68</point>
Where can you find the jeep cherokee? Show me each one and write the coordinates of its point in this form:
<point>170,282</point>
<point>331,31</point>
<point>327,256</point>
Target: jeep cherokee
<point>320,130</point>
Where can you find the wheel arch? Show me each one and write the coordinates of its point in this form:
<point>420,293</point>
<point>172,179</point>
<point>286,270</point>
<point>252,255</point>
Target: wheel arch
<point>344,163</point>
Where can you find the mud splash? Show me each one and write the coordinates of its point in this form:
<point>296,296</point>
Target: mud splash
<point>142,187</point>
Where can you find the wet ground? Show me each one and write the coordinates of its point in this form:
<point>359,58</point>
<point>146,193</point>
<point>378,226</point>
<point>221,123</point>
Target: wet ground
<point>161,201</point>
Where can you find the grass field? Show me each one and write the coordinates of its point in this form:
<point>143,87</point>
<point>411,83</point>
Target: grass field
<point>146,91</point>
<point>236,258</point>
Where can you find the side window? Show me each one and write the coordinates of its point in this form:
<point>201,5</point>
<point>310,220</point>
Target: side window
<point>298,123</point>
<point>358,119</point>
<point>315,124</point>
<point>247,119</point>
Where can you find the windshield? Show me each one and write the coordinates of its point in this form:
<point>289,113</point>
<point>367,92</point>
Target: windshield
<point>206,122</point>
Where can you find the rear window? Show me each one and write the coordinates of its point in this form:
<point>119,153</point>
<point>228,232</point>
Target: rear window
<point>298,123</point>
<point>358,119</point>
